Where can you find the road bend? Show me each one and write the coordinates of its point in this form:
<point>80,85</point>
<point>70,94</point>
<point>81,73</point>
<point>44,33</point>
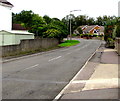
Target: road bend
<point>44,76</point>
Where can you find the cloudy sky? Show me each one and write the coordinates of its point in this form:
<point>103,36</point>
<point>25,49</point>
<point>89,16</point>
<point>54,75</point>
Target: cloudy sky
<point>61,8</point>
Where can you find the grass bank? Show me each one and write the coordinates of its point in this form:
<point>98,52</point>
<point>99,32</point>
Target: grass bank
<point>68,43</point>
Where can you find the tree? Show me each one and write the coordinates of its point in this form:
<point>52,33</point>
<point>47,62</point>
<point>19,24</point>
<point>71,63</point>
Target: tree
<point>70,19</point>
<point>55,29</point>
<point>117,30</point>
<point>110,27</point>
<point>79,30</point>
<point>25,17</point>
<point>33,22</point>
<point>99,21</point>
<point>47,19</point>
<point>81,20</point>
<point>90,21</point>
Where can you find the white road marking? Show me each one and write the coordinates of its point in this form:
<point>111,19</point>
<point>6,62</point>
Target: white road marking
<point>68,53</point>
<point>30,67</point>
<point>55,58</point>
<point>39,81</point>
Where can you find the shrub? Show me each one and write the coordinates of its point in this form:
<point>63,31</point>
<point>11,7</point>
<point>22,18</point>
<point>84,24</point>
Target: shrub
<point>118,31</point>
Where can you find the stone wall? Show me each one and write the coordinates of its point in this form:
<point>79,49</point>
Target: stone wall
<point>29,45</point>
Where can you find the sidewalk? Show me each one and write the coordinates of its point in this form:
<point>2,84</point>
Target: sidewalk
<point>97,80</point>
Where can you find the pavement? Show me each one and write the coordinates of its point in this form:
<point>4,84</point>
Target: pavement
<point>97,80</point>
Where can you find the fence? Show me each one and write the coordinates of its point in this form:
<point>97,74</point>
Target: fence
<point>117,45</point>
<point>29,45</point>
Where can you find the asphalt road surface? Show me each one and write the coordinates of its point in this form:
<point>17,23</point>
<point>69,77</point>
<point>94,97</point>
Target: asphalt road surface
<point>44,76</point>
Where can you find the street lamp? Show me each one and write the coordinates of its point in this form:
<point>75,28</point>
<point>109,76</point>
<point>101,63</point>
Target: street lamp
<point>70,22</point>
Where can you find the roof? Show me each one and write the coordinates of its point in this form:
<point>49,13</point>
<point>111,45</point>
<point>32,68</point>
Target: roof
<point>18,27</point>
<point>89,28</point>
<point>17,32</point>
<point>83,27</point>
<point>102,28</point>
<point>6,2</point>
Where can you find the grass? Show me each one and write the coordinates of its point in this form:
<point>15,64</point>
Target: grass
<point>68,43</point>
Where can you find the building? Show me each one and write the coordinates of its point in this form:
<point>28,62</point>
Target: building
<point>5,15</point>
<point>92,29</point>
<point>14,37</point>
<point>10,34</point>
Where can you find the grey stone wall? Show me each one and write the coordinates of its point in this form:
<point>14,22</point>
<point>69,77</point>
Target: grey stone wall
<point>29,45</point>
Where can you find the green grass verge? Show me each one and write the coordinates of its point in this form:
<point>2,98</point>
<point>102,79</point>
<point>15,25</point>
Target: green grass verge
<point>68,43</point>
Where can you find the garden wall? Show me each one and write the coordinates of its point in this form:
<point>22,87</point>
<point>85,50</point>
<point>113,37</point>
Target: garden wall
<point>29,45</point>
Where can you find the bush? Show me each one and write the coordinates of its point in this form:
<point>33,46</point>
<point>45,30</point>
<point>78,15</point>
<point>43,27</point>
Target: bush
<point>94,35</point>
<point>110,43</point>
<point>118,31</point>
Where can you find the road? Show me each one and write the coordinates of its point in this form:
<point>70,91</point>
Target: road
<point>44,76</point>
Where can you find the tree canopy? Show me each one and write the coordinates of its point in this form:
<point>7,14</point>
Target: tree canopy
<point>56,28</point>
<point>41,26</point>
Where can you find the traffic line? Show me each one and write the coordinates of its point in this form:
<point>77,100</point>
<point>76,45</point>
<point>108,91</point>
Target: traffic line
<point>68,53</point>
<point>55,58</point>
<point>30,67</point>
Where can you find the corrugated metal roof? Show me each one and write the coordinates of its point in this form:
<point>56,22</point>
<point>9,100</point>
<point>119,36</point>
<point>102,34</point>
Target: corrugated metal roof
<point>17,32</point>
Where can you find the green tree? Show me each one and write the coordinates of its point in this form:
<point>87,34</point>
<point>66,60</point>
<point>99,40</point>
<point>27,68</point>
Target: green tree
<point>117,30</point>
<point>70,19</point>
<point>90,21</point>
<point>79,30</point>
<point>47,19</point>
<point>110,27</point>
<point>33,22</point>
<point>99,21</point>
<point>81,20</point>
<point>25,17</point>
<point>55,29</point>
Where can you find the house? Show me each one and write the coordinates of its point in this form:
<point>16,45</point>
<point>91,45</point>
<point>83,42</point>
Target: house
<point>93,29</point>
<point>15,35</point>
<point>11,34</point>
<point>5,15</point>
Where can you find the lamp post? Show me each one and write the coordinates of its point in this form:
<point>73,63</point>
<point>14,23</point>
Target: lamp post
<point>70,23</point>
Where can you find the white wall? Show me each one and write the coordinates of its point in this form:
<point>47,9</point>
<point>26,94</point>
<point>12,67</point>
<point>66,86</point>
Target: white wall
<point>8,38</point>
<point>5,18</point>
<point>119,9</point>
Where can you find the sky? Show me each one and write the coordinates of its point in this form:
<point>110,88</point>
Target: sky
<point>61,8</point>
